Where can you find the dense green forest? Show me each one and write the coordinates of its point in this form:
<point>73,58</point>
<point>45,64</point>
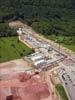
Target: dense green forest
<point>49,17</point>
<point>50,9</point>
<point>59,14</point>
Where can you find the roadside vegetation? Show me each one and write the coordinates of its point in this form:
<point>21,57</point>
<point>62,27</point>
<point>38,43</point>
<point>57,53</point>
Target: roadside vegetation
<point>60,89</point>
<point>66,41</point>
<point>62,33</point>
<point>11,48</point>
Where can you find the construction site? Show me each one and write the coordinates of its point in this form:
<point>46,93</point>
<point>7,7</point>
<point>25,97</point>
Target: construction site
<point>34,76</point>
<point>25,83</point>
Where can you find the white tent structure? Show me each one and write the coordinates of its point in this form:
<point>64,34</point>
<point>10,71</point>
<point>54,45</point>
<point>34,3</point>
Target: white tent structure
<point>19,31</point>
<point>36,57</point>
<point>39,62</point>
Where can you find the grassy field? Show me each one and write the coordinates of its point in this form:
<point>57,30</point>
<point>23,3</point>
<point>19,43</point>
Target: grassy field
<point>62,92</point>
<point>11,48</point>
<point>72,47</point>
<point>67,42</point>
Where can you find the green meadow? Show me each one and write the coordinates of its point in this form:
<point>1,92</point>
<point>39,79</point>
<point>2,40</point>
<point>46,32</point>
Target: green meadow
<point>11,48</point>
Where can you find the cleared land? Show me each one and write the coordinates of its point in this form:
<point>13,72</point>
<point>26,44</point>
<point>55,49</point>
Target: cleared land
<point>61,91</point>
<point>11,48</point>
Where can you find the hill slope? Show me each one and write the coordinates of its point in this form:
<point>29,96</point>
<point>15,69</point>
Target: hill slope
<point>37,8</point>
<point>45,16</point>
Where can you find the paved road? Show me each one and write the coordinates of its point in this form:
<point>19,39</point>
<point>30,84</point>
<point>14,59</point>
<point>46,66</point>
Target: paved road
<point>67,75</point>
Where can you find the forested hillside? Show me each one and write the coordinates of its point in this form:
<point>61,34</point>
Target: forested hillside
<point>37,8</point>
<point>45,16</point>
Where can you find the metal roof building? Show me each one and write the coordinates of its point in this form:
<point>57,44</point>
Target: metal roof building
<point>36,57</point>
<point>39,62</point>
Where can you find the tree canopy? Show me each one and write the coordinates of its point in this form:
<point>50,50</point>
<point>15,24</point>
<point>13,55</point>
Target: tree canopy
<point>45,16</point>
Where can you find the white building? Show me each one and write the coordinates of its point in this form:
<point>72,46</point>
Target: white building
<point>39,62</point>
<point>34,58</point>
<point>19,31</point>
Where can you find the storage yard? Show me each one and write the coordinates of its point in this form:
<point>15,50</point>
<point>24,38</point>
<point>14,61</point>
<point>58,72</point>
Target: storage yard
<point>45,55</point>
